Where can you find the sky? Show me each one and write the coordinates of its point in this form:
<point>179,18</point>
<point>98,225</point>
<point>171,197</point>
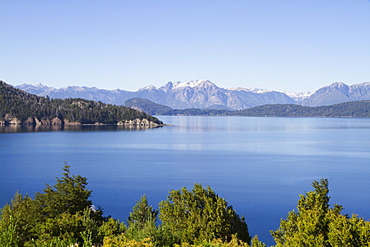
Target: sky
<point>284,45</point>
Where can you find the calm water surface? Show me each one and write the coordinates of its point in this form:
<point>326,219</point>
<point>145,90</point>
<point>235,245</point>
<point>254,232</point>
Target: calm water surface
<point>259,165</point>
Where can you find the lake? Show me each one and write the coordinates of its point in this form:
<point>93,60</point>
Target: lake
<point>259,165</point>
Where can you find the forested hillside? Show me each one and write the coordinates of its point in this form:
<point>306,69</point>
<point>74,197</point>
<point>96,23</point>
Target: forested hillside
<point>348,109</point>
<point>64,215</point>
<point>147,106</point>
<point>19,107</point>
<point>358,109</point>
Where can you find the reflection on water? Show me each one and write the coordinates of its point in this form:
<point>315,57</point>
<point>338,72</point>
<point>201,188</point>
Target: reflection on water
<point>261,124</point>
<point>28,128</point>
<point>44,128</point>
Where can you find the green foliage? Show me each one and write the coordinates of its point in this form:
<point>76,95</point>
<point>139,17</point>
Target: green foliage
<point>64,227</point>
<point>158,109</point>
<point>316,224</point>
<point>141,213</point>
<point>344,231</point>
<point>68,195</point>
<point>54,242</point>
<point>111,227</point>
<point>123,241</point>
<point>200,214</point>
<point>59,216</point>
<point>147,106</point>
<point>24,106</point>
<point>347,109</point>
<point>233,242</point>
<point>19,219</point>
<point>142,222</point>
<point>64,216</point>
<point>8,228</point>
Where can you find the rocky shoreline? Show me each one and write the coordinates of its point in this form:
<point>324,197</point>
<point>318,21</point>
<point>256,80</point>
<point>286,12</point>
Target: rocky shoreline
<point>33,121</point>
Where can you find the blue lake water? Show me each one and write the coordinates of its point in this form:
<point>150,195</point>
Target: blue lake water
<point>259,165</point>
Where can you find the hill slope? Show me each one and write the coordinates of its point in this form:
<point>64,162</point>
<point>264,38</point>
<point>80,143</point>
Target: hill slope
<point>147,106</point>
<point>348,109</point>
<point>19,107</point>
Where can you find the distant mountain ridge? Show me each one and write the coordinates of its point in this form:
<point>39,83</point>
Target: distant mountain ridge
<point>204,94</point>
<point>179,95</point>
<point>338,92</point>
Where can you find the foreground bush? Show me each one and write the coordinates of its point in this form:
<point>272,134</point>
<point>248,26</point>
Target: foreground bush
<point>315,223</point>
<point>63,215</point>
<point>200,214</point>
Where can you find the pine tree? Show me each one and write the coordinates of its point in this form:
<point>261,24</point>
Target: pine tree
<point>68,195</point>
<point>141,213</point>
<point>142,222</point>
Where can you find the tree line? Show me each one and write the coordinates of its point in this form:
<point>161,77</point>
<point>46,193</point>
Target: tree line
<point>64,215</point>
<point>358,109</point>
<point>23,106</point>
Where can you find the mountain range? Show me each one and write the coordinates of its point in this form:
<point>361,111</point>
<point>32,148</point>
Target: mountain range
<point>204,94</point>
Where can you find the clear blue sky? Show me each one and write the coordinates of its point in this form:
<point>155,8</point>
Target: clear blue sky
<point>286,45</point>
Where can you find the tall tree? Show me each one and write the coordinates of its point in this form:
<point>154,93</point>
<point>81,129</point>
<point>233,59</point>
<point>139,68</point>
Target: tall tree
<point>142,221</point>
<point>141,213</point>
<point>68,195</point>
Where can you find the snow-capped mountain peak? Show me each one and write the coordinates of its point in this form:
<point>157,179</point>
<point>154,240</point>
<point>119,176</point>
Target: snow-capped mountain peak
<point>259,90</point>
<point>253,90</point>
<point>239,89</point>
<point>337,85</point>
<point>299,97</point>
<point>150,87</point>
<point>192,84</point>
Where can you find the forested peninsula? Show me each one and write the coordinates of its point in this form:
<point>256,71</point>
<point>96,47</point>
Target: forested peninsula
<point>64,215</point>
<point>21,108</point>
